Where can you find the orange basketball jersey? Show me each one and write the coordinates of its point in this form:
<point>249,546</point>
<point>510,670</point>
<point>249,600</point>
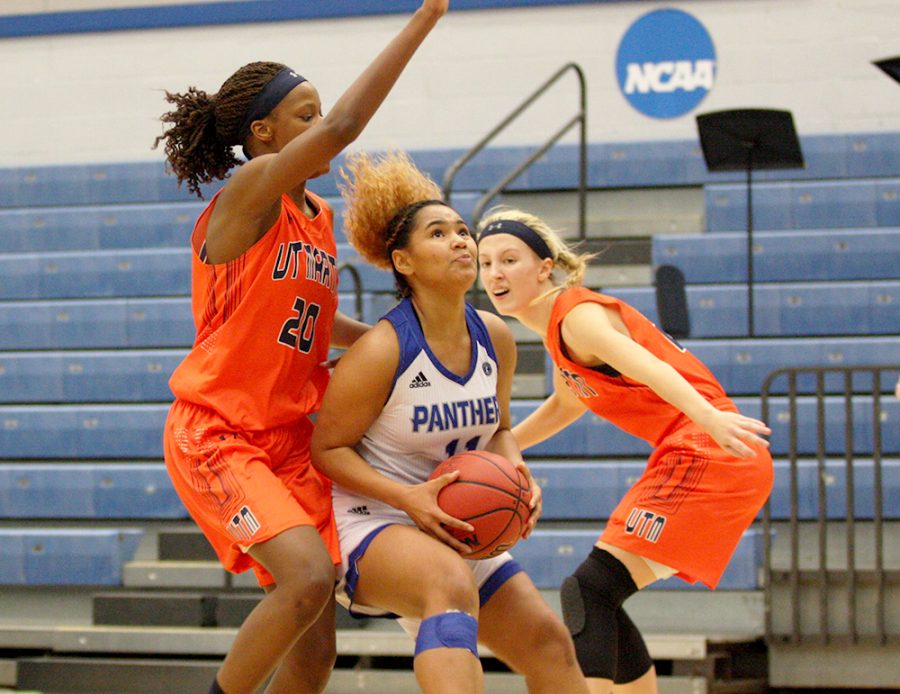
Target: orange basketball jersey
<point>630,405</point>
<point>263,322</point>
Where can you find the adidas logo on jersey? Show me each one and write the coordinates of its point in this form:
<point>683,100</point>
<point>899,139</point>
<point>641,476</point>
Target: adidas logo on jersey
<point>359,510</point>
<point>420,381</point>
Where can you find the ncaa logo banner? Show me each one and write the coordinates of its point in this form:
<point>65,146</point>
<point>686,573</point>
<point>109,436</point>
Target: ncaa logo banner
<point>666,63</point>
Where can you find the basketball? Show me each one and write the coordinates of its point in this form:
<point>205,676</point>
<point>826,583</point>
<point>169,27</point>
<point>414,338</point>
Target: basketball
<point>491,495</point>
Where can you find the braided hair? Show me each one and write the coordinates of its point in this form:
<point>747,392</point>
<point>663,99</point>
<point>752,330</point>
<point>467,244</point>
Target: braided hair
<point>383,197</point>
<point>205,127</point>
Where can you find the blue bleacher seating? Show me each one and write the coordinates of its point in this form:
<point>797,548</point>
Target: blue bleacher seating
<point>742,365</point>
<point>129,273</point>
<point>67,324</point>
<point>784,205</point>
<point>95,314</point>
<point>88,491</point>
<point>123,323</point>
<point>97,227</point>
<point>595,437</point>
<point>92,184</point>
<point>834,478</point>
<point>887,195</point>
<point>90,274</point>
<point>133,430</point>
<point>84,376</point>
<point>783,309</point>
<point>65,556</point>
<point>583,490</point>
<point>82,431</point>
<point>801,256</point>
<point>624,164</point>
<point>106,323</point>
<point>589,490</point>
<point>143,226</point>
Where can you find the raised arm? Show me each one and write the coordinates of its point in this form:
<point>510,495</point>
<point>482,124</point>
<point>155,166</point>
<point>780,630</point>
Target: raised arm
<point>256,188</point>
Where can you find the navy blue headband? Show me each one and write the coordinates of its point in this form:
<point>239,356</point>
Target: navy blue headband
<point>522,232</point>
<point>268,98</point>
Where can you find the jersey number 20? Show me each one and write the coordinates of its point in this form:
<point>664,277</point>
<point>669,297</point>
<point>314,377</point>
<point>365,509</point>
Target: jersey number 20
<point>299,331</point>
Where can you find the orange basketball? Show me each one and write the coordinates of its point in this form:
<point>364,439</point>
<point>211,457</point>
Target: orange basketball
<point>491,495</point>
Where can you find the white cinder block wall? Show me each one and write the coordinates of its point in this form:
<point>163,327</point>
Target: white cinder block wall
<point>97,97</point>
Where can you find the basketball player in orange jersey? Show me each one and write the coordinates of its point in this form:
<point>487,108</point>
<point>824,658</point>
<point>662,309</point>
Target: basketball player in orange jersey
<point>432,378</point>
<point>710,471</point>
<point>264,301</point>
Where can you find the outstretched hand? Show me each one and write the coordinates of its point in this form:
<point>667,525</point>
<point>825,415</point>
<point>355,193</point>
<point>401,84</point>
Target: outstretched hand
<point>737,434</point>
<point>420,503</point>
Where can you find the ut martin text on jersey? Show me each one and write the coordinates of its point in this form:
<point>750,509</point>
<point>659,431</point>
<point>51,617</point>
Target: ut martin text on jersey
<point>319,266</point>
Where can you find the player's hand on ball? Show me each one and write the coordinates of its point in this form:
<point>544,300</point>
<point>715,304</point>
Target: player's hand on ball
<point>492,494</point>
<point>420,503</point>
<point>535,506</point>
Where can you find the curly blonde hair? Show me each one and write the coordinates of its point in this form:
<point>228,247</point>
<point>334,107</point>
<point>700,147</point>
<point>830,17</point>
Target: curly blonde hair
<point>382,196</point>
<point>564,258</point>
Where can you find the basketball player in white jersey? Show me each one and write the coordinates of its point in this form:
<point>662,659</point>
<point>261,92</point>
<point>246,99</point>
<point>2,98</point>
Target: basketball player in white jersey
<point>431,379</point>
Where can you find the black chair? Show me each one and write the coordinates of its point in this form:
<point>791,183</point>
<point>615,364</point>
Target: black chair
<point>671,302</point>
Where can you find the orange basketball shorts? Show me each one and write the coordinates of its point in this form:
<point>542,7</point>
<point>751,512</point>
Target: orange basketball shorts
<point>243,488</point>
<point>691,505</point>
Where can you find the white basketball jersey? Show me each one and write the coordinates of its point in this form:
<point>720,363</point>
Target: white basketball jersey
<point>431,413</point>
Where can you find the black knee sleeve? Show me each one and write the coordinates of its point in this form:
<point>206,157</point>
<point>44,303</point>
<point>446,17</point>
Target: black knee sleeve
<point>634,659</point>
<point>591,599</point>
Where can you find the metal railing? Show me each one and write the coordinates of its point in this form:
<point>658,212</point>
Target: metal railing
<point>856,385</point>
<point>357,288</point>
<point>580,119</point>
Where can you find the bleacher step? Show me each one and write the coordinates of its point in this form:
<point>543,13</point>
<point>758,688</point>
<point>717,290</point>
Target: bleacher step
<point>173,574</point>
<point>187,544</point>
<point>56,675</point>
<point>68,675</point>
<point>687,611</point>
<point>815,666</point>
<point>186,609</point>
<point>8,672</point>
<point>155,609</point>
<point>215,641</point>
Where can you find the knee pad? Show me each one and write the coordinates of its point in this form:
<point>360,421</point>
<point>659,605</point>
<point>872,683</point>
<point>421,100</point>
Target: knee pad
<point>634,659</point>
<point>602,582</point>
<point>591,599</point>
<point>448,630</point>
